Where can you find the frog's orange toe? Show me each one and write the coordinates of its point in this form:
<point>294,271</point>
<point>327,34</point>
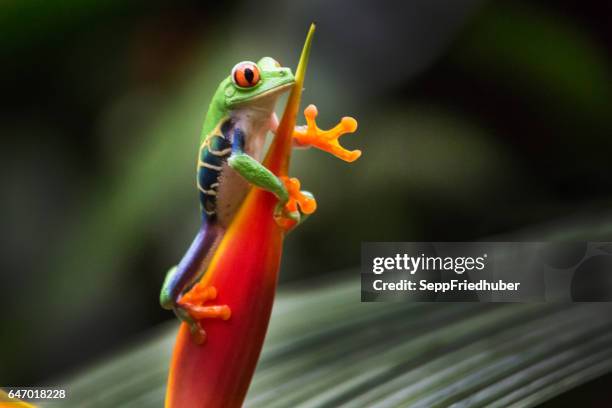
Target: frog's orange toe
<point>199,294</point>
<point>311,112</point>
<point>222,312</point>
<point>308,205</point>
<point>349,124</point>
<point>349,155</point>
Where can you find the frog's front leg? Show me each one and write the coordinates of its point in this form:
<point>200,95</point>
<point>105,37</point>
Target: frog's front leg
<point>292,202</point>
<point>326,140</point>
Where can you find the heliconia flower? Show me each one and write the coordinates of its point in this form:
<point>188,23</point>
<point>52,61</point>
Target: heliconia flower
<point>244,272</point>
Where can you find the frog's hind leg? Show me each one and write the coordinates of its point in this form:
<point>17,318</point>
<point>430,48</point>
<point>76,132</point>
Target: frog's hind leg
<point>180,278</point>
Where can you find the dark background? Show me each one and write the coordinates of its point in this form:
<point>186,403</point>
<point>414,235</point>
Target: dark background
<point>477,119</point>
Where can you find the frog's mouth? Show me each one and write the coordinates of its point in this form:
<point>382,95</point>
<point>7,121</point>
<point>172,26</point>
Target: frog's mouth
<point>266,97</point>
<point>277,90</point>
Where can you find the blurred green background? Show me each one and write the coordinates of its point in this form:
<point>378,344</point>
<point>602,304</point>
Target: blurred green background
<point>477,119</point>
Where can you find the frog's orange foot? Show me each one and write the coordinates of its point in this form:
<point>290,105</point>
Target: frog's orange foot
<point>326,140</point>
<point>192,303</point>
<point>298,203</point>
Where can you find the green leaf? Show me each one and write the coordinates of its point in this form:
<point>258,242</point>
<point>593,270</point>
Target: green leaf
<point>325,348</point>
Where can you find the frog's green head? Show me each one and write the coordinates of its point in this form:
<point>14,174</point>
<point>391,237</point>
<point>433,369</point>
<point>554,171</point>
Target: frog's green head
<point>251,81</point>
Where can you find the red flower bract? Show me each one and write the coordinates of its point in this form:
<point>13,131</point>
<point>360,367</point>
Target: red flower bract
<point>244,269</point>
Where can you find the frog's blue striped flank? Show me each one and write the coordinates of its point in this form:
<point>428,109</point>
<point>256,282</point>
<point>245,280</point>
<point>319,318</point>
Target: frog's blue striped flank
<point>213,155</point>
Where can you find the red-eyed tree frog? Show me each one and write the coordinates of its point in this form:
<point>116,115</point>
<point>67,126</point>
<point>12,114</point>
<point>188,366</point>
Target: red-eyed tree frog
<point>229,161</point>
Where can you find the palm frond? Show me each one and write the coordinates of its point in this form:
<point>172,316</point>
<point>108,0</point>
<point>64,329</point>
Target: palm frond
<point>326,349</point>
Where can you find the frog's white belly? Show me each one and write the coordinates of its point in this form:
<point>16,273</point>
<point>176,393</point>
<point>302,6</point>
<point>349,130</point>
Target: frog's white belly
<point>231,193</point>
<point>232,186</point>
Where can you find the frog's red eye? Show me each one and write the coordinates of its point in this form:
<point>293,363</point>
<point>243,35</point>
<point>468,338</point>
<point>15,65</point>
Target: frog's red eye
<point>245,74</point>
